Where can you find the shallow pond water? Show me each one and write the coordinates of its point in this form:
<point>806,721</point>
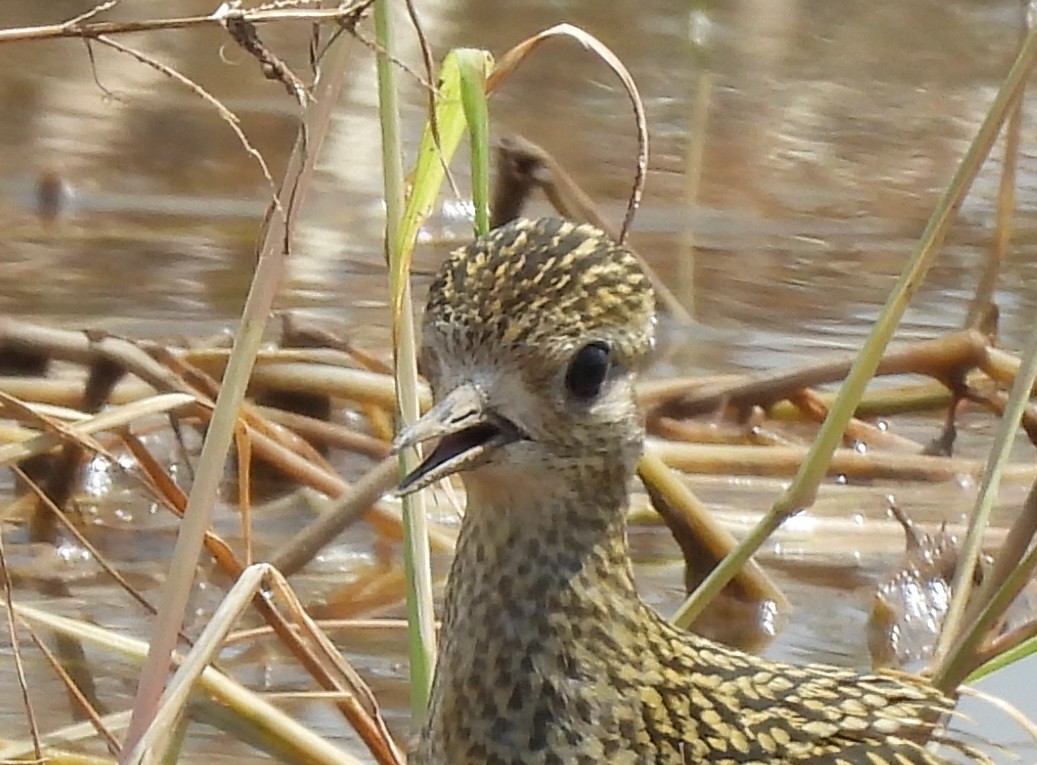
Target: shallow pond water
<point>830,130</point>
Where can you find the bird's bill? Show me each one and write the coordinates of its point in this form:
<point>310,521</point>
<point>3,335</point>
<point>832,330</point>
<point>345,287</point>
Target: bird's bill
<point>468,432</point>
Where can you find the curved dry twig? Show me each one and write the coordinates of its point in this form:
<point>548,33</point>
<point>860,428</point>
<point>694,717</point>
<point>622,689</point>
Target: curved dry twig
<point>510,61</point>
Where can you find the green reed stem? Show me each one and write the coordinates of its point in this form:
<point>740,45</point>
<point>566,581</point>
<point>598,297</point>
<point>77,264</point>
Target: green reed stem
<point>472,68</point>
<point>417,568</point>
<point>958,642</point>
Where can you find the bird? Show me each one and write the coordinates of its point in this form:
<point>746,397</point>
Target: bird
<point>532,338</point>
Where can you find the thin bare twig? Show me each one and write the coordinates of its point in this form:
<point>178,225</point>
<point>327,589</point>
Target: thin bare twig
<point>84,703</point>
<point>433,123</point>
<point>345,15</point>
<point>510,60</point>
<point>374,47</point>
<point>225,114</point>
<point>12,633</point>
<point>88,44</point>
<point>96,10</point>
<point>82,540</point>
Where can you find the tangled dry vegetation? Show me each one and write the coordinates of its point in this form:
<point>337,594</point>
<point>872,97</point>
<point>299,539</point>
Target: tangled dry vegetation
<point>69,397</point>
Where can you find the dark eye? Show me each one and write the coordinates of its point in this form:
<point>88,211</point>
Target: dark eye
<point>587,370</point>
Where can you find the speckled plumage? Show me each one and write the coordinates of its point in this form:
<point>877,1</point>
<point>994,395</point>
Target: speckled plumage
<point>548,656</point>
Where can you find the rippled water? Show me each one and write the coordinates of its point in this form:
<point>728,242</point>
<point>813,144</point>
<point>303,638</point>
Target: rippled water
<point>830,131</point>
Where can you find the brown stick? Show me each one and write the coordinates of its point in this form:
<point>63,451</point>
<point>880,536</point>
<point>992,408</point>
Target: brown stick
<point>702,539</point>
<point>84,347</point>
<point>345,15</point>
<point>945,359</point>
<point>328,433</point>
<point>524,166</point>
<point>808,402</point>
<point>350,506</point>
<point>784,461</point>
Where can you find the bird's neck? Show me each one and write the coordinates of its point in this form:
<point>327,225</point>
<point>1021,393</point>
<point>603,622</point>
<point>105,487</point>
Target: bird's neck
<point>541,580</point>
<point>549,545</point>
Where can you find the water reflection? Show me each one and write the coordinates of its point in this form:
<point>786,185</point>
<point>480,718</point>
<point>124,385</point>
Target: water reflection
<point>830,131</point>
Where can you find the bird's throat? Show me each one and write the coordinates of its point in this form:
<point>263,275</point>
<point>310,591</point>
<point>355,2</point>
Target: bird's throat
<point>542,547</point>
<point>539,581</point>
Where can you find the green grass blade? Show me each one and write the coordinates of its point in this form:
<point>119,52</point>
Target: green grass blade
<point>421,638</point>
<point>429,171</point>
<point>1002,660</point>
<point>474,67</point>
<point>402,226</point>
<point>954,646</point>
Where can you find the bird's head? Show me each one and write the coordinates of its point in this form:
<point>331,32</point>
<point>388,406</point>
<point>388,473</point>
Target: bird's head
<point>532,336</point>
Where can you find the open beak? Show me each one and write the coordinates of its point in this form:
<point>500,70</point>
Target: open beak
<point>468,432</point>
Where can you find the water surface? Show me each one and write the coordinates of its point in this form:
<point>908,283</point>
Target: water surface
<point>830,131</point>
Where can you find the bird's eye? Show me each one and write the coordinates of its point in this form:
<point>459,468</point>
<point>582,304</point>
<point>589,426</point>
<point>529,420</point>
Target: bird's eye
<point>587,370</point>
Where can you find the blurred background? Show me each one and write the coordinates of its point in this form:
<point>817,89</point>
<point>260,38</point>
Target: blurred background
<point>827,132</point>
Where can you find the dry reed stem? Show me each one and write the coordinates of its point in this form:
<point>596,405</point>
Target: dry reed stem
<point>857,431</point>
<point>372,592</point>
<point>318,340</point>
<point>141,710</point>
<point>66,735</point>
<point>110,419</point>
<point>326,626</point>
<point>945,359</point>
<point>270,265</point>
<point>55,427</point>
<point>304,743</point>
<point>365,714</point>
<point>848,463</point>
<point>715,432</point>
<point>345,15</point>
<point>173,498</point>
<point>301,548</point>
<point>72,689</point>
<point>327,433</point>
<point>268,442</point>
<point>243,447</point>
<point>84,347</point>
<point>698,531</point>
<point>87,545</point>
<point>983,299</point>
<point>522,166</point>
<point>351,694</point>
<point>234,568</point>
<point>355,384</point>
<point>69,393</point>
<point>16,652</point>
